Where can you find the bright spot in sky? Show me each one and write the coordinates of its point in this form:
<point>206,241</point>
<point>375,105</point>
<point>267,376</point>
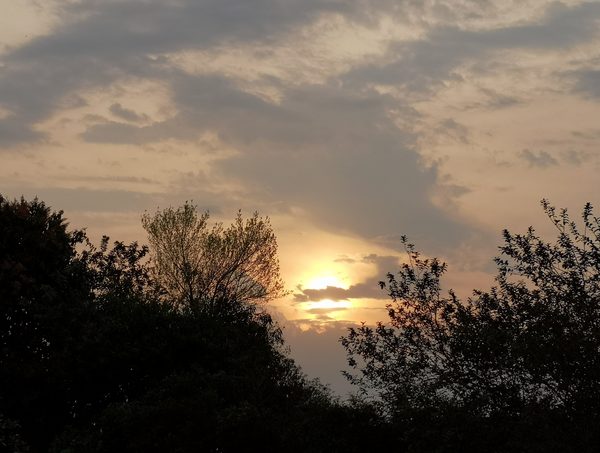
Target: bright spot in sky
<point>328,304</point>
<point>323,282</point>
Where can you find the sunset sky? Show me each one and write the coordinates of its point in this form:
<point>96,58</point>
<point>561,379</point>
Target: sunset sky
<point>348,122</point>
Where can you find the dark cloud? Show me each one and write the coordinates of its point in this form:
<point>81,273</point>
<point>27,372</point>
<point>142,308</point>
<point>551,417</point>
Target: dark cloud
<point>588,82</point>
<point>126,114</point>
<point>540,159</point>
<point>369,289</point>
<point>117,30</point>
<point>497,100</point>
<point>13,132</point>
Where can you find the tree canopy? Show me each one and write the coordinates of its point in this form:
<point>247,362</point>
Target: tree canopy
<point>525,352</point>
<point>199,265</point>
<point>100,351</point>
<point>95,356</point>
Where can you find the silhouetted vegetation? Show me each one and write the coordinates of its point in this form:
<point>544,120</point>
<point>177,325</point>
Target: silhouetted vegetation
<point>102,351</point>
<point>97,355</point>
<point>516,368</point>
<point>199,266</point>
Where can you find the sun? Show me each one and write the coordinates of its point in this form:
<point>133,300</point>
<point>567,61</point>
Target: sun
<point>323,281</point>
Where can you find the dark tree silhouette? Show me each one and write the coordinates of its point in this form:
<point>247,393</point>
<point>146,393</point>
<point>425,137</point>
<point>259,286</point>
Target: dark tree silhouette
<point>524,356</point>
<point>96,357</point>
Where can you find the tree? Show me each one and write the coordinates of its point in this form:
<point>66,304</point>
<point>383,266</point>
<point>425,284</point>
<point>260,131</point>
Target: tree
<point>199,266</point>
<point>525,352</point>
<point>90,346</point>
<point>40,281</point>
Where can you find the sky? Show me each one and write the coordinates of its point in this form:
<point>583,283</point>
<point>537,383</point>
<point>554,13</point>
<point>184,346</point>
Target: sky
<point>348,122</point>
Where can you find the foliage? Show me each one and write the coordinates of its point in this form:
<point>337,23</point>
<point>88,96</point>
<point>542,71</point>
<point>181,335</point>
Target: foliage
<point>10,437</point>
<point>524,354</point>
<point>99,352</point>
<point>96,357</point>
<point>40,285</point>
<point>199,266</point>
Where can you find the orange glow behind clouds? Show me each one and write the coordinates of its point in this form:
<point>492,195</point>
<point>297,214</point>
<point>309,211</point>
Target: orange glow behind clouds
<point>323,281</point>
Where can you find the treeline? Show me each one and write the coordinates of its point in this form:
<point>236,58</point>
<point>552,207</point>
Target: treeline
<point>121,348</point>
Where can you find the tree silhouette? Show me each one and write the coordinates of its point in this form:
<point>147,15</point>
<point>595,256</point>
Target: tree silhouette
<point>525,353</point>
<point>199,266</point>
<point>96,357</point>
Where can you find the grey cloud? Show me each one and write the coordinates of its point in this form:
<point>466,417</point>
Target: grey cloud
<point>575,157</point>
<point>453,130</point>
<point>107,41</point>
<point>13,132</point>
<point>541,159</point>
<point>205,103</point>
<point>369,289</point>
<point>127,114</point>
<point>588,82</point>
<point>420,66</point>
<point>334,151</point>
<point>33,90</point>
<point>125,133</point>
<point>120,29</point>
<point>495,100</point>
<point>85,199</point>
<point>117,179</point>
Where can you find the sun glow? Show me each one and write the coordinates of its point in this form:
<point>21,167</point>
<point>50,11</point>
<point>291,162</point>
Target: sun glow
<point>328,305</point>
<point>323,281</point>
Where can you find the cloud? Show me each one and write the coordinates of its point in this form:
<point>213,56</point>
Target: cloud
<point>89,200</point>
<point>341,150</point>
<point>587,82</point>
<point>334,152</point>
<point>540,159</point>
<point>369,289</point>
<point>99,43</point>
<point>126,114</point>
<point>102,42</point>
<point>575,157</point>
<point>13,132</point>
<point>424,65</point>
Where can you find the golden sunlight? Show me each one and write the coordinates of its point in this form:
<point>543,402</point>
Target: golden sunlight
<point>322,282</point>
<point>328,304</point>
